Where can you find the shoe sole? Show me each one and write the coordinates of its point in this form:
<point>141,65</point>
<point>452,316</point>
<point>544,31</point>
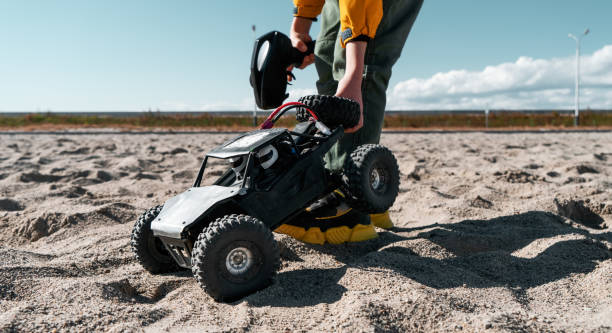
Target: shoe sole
<point>382,220</point>
<point>335,235</point>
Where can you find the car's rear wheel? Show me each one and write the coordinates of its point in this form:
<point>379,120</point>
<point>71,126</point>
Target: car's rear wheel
<point>333,111</point>
<point>371,178</point>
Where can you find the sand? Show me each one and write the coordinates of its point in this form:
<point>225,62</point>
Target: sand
<point>499,232</point>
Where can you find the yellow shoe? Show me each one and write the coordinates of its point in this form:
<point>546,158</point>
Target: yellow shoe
<point>363,233</point>
<point>291,230</point>
<point>382,220</point>
<point>351,226</point>
<point>334,235</point>
<point>314,235</point>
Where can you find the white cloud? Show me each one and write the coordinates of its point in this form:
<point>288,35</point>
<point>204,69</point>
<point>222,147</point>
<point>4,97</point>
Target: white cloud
<point>524,84</point>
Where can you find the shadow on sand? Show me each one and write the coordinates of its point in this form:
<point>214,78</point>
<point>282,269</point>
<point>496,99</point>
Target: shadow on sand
<point>478,254</point>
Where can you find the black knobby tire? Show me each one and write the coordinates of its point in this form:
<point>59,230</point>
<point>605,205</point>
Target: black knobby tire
<point>216,246</point>
<point>371,178</point>
<point>149,250</point>
<point>331,110</point>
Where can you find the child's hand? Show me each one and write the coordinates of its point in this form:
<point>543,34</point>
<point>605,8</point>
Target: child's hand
<point>300,35</point>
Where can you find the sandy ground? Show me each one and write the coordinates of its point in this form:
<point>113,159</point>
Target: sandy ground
<point>500,232</point>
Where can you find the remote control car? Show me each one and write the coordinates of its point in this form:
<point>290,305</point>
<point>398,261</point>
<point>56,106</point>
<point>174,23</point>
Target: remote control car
<point>223,232</point>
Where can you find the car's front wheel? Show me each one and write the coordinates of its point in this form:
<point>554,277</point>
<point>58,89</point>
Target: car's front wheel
<point>234,256</point>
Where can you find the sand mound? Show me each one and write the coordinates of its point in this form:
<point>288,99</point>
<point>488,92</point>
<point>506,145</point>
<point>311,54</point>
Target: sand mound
<point>575,180</point>
<point>133,164</point>
<point>104,176</point>
<point>533,166</point>
<point>583,168</point>
<point>176,151</point>
<point>42,226</point>
<point>514,147</point>
<point>488,236</point>
<point>521,177</point>
<point>185,174</point>
<point>142,175</point>
<point>79,151</point>
<point>108,147</point>
<point>44,160</point>
<point>491,159</point>
<point>72,192</point>
<point>49,223</point>
<point>10,205</point>
<point>12,257</point>
<point>36,177</point>
<point>581,211</point>
<point>122,290</point>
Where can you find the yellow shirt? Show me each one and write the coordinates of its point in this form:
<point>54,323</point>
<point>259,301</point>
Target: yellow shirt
<point>357,17</point>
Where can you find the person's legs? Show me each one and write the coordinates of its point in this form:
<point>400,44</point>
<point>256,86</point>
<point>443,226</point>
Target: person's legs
<point>330,219</point>
<point>381,54</point>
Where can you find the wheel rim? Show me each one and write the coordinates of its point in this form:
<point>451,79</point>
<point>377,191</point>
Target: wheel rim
<point>239,260</point>
<point>378,178</point>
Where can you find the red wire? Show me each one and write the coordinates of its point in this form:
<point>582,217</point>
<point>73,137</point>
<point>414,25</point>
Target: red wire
<point>278,109</point>
<point>312,114</point>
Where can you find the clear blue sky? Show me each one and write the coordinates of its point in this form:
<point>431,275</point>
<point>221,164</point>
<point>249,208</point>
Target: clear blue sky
<point>189,54</point>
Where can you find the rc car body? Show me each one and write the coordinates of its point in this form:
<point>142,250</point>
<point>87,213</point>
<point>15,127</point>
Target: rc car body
<point>271,192</point>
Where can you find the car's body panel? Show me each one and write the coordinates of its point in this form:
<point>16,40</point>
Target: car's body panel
<point>246,143</point>
<point>183,210</point>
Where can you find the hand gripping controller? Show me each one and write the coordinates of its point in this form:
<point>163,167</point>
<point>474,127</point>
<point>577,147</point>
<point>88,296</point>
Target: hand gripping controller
<point>272,54</point>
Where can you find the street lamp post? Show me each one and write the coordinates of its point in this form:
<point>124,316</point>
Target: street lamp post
<point>255,105</point>
<point>577,87</point>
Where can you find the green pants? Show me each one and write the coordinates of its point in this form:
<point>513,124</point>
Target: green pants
<point>381,54</point>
